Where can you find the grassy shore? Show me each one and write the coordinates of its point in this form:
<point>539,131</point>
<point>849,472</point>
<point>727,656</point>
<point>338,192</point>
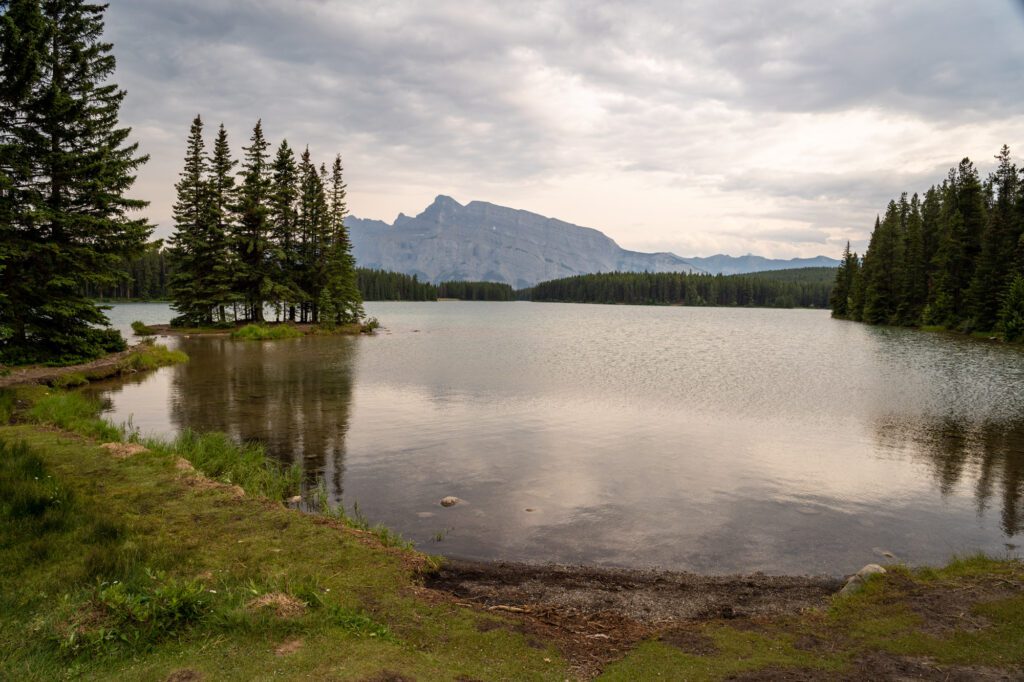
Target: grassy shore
<point>133,559</point>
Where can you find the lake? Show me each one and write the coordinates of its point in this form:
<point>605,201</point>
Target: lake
<point>713,440</point>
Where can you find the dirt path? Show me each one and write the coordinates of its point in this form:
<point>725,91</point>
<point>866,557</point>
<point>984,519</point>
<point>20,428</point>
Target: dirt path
<point>41,374</point>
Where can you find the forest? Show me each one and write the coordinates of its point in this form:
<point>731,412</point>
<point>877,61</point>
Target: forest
<point>952,259</point>
<point>277,238</point>
<point>800,288</point>
<point>147,277</point>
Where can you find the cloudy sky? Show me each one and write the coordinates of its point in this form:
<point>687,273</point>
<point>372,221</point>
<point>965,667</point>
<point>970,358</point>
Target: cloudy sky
<point>778,128</point>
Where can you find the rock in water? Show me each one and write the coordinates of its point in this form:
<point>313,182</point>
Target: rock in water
<point>449,501</point>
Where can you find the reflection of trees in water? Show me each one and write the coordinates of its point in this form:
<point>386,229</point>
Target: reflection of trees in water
<point>993,453</point>
<point>293,396</point>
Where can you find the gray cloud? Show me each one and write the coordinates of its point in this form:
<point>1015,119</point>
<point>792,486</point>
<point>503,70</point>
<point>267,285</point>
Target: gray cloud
<point>478,98</point>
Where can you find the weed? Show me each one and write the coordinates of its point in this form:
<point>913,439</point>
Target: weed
<point>371,324</point>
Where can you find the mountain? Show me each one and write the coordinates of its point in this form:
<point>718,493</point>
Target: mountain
<point>737,265</point>
<point>482,241</point>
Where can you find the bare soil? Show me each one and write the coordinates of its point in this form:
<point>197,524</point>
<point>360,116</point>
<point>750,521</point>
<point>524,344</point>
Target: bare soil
<point>596,615</point>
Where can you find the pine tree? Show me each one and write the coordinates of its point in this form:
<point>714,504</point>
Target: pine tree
<point>67,166</point>
<point>192,253</point>
<point>839,299</point>
<point>1011,317</point>
<point>344,302</point>
<point>222,197</point>
<point>250,236</point>
<point>284,220</point>
<point>995,259</point>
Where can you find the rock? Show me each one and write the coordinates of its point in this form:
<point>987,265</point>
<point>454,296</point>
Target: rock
<point>295,499</point>
<point>852,586</point>
<point>449,501</point>
<point>870,569</point>
<point>858,579</point>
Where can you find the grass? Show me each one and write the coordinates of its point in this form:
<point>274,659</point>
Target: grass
<point>246,465</point>
<point>265,332</point>
<point>139,328</point>
<point>151,356</point>
<point>122,569</point>
<point>318,500</point>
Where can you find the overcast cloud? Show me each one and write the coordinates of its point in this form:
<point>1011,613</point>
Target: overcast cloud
<point>696,127</point>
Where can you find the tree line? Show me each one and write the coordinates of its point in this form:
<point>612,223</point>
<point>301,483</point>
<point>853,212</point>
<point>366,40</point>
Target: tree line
<point>272,234</point>
<point>66,167</point>
<point>147,278</point>
<point>953,258</point>
<point>800,288</point>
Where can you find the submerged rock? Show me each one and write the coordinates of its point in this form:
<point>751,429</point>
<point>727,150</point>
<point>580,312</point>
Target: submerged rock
<point>450,501</point>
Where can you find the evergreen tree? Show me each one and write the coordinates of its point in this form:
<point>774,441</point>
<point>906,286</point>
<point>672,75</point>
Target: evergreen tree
<point>222,198</point>
<point>284,220</point>
<point>839,299</point>
<point>913,272</point>
<point>1011,318</point>
<point>66,167</point>
<point>341,290</point>
<point>995,259</point>
<point>251,232</point>
<point>192,252</point>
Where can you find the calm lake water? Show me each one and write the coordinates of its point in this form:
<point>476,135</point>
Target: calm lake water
<point>705,439</point>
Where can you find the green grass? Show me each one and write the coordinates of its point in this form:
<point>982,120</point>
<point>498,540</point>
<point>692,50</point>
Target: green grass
<point>246,465</point>
<point>151,356</point>
<point>139,328</point>
<point>265,332</point>
<point>74,412</point>
<point>135,574</point>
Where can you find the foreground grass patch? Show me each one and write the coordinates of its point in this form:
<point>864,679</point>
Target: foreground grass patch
<point>135,574</point>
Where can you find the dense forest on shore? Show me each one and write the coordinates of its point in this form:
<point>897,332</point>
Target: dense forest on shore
<point>799,288</point>
<point>147,277</point>
<point>953,259</point>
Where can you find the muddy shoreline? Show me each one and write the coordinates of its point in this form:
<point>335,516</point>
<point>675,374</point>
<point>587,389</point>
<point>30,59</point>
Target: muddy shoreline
<point>651,597</point>
<point>597,615</point>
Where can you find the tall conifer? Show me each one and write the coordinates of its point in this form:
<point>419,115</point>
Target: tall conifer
<point>67,166</point>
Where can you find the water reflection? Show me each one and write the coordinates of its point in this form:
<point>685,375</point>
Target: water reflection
<point>991,454</point>
<point>713,440</point>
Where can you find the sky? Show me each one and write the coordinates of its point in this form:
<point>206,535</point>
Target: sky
<point>775,128</point>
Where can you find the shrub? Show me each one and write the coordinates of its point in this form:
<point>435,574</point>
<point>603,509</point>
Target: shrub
<point>370,325</point>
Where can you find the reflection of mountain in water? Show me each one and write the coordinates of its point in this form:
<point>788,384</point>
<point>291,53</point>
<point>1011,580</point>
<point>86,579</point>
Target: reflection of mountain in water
<point>292,396</point>
<point>992,454</point>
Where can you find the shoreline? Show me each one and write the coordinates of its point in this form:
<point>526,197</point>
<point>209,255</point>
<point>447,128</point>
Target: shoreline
<point>574,622</point>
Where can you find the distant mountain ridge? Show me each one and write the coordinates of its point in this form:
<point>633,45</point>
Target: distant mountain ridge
<point>486,242</point>
<point>739,265</point>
